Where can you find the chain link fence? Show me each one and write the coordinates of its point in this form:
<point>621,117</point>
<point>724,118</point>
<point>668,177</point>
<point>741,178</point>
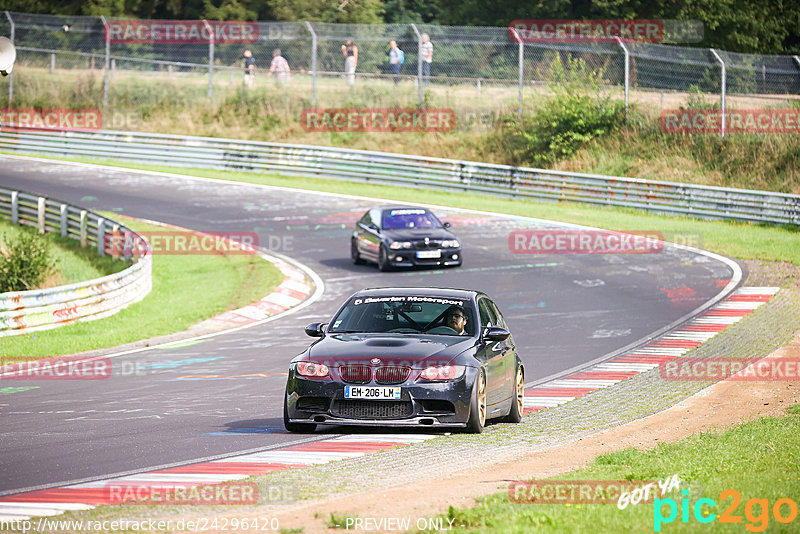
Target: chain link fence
<point>475,70</point>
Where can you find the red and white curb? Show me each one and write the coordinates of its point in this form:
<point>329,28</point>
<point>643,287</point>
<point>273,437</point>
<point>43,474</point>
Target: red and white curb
<point>55,501</point>
<point>667,347</point>
<point>294,289</point>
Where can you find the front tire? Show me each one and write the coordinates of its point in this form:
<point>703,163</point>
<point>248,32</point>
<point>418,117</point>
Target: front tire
<point>354,255</point>
<point>518,401</point>
<point>383,260</point>
<point>477,407</point>
<point>301,428</point>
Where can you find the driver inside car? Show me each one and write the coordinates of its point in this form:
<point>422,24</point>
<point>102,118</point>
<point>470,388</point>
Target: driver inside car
<point>457,320</point>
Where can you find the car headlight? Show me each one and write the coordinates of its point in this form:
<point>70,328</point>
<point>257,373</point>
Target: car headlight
<point>312,369</point>
<point>397,245</point>
<point>450,243</point>
<point>437,373</point>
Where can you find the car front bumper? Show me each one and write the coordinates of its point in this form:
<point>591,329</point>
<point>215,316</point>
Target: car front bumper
<point>408,258</point>
<point>439,404</point>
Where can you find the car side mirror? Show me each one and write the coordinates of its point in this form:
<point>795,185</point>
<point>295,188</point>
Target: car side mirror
<point>495,333</point>
<point>316,330</point>
<point>446,224</point>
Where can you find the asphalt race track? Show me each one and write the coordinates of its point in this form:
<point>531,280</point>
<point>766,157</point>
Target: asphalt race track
<point>564,311</point>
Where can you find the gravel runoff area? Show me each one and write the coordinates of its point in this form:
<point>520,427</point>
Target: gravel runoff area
<point>768,328</point>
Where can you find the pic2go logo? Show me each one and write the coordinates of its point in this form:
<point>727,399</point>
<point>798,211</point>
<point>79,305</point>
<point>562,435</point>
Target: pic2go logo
<point>758,521</point>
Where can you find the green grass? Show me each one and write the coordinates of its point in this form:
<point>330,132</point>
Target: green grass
<point>72,263</point>
<point>740,240</point>
<point>174,304</point>
<point>758,459</point>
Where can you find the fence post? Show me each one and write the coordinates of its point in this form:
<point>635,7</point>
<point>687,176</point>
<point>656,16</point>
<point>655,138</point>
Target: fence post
<point>419,64</point>
<point>52,63</point>
<point>627,73</point>
<point>63,220</point>
<point>722,90</point>
<point>84,229</point>
<point>101,236</point>
<point>210,60</point>
<point>107,32</point>
<point>14,207</point>
<point>521,79</point>
<point>41,208</point>
<point>10,74</point>
<point>313,64</point>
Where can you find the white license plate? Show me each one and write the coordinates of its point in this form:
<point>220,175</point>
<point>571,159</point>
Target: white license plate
<point>427,254</point>
<point>374,393</point>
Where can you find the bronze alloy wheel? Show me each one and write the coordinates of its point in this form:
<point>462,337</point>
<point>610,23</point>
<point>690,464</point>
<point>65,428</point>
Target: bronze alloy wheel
<point>481,399</point>
<point>520,391</point>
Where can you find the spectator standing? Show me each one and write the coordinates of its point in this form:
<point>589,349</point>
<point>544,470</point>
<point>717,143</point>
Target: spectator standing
<point>396,59</point>
<point>350,53</point>
<point>426,52</point>
<point>249,69</point>
<point>280,67</point>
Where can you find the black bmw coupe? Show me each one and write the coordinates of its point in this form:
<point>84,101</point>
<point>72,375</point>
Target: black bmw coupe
<point>402,236</point>
<point>407,357</point>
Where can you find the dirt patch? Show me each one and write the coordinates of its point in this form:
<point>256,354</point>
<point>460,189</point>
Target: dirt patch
<point>721,406</point>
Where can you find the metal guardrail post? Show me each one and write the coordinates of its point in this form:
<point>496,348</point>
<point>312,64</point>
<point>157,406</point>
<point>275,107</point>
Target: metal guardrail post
<point>115,246</point>
<point>101,237</point>
<point>210,60</point>
<point>41,208</point>
<point>84,229</point>
<point>14,207</point>
<point>63,220</point>
<point>107,35</point>
<point>11,74</point>
<point>419,64</point>
<point>313,64</point>
<point>627,73</point>
<point>722,91</point>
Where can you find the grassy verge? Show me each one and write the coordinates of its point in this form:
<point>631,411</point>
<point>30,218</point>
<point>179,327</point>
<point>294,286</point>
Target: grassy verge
<point>741,240</point>
<point>72,263</point>
<point>759,460</point>
<point>175,303</point>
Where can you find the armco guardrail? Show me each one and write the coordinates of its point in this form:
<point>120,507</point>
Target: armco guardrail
<point>398,169</point>
<point>41,309</point>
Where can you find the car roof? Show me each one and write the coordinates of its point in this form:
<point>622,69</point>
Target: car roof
<point>394,207</point>
<point>420,291</point>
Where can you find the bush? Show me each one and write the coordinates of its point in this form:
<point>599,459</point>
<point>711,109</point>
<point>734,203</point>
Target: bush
<point>24,263</point>
<point>562,123</point>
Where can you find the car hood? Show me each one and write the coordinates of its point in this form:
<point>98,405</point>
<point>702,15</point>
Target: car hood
<point>387,347</point>
<point>413,234</point>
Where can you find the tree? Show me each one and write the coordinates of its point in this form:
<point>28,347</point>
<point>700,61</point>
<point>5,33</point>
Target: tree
<point>352,11</point>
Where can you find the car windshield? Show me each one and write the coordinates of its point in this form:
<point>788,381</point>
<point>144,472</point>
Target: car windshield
<point>405,314</point>
<point>409,218</point>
